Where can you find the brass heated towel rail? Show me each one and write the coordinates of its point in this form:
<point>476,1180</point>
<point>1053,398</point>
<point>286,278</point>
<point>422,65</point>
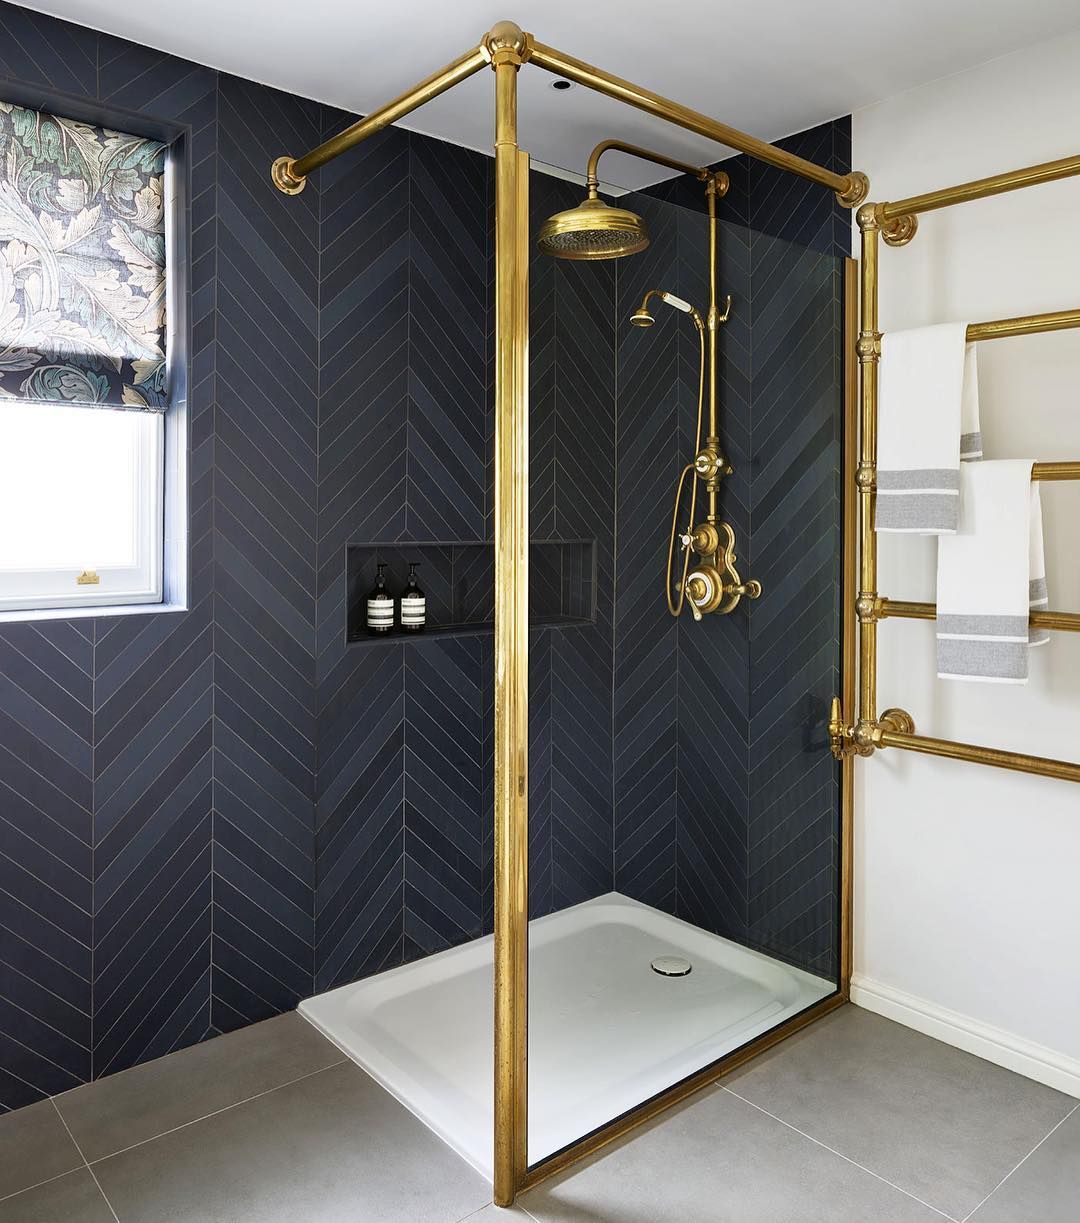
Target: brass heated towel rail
<point>864,732</point>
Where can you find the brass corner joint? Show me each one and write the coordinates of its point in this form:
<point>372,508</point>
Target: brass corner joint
<point>506,43</point>
<point>864,737</point>
<point>897,231</point>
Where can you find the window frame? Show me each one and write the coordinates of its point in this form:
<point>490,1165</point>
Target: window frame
<point>174,569</point>
<point>34,589</point>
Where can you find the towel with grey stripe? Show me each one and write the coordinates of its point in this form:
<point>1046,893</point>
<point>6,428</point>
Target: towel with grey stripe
<point>991,576</point>
<point>928,421</point>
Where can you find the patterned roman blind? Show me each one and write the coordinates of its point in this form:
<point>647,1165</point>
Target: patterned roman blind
<point>82,263</point>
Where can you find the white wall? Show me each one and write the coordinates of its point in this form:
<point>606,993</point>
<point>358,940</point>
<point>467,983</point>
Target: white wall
<point>968,878</point>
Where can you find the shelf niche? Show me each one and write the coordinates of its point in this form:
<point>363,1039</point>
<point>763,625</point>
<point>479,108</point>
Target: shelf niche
<point>458,580</point>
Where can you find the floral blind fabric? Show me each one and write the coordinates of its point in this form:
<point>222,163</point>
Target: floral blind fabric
<point>82,263</point>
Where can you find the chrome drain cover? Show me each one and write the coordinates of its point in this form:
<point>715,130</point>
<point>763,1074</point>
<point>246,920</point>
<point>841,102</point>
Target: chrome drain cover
<point>671,966</point>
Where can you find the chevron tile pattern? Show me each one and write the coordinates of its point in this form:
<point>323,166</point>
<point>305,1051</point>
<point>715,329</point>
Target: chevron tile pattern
<point>794,659</point>
<point>776,203</point>
<point>208,815</point>
<point>265,506</point>
<point>726,799</point>
<point>46,867</point>
<point>651,401</point>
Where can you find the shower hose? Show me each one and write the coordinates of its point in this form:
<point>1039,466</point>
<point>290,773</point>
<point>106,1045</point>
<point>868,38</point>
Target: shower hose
<point>675,605</point>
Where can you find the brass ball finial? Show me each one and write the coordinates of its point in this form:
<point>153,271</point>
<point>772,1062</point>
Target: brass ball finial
<point>506,41</point>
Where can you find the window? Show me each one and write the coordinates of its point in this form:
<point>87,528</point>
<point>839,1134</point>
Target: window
<point>83,384</point>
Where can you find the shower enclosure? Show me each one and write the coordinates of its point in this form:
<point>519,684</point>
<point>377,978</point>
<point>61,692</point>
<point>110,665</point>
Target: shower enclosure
<point>668,857</point>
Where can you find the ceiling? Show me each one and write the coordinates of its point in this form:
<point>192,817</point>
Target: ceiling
<point>770,67</point>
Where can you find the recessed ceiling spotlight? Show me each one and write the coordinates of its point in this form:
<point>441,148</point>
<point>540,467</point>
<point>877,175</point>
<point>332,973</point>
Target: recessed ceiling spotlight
<point>561,84</point>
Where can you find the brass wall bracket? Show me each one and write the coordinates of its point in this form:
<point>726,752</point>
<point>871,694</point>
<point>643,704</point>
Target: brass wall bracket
<point>897,721</point>
<point>840,733</point>
<point>855,191</point>
<point>282,176</point>
<point>900,230</point>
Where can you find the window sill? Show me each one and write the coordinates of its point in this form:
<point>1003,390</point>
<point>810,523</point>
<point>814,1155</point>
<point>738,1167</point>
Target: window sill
<point>89,611</point>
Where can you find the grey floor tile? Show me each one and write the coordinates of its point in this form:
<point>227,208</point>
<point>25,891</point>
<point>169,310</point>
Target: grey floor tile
<point>333,1147</point>
<point>1045,1187</point>
<point>940,1123</point>
<point>73,1198</point>
<point>719,1160</point>
<point>116,1112</point>
<point>34,1146</point>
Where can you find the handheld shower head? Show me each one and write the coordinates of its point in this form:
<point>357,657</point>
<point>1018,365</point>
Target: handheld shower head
<point>642,318</point>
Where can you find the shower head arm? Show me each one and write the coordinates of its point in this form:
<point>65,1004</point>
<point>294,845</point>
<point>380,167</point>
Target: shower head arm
<point>718,178</point>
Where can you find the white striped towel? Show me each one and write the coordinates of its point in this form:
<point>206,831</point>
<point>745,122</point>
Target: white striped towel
<point>928,421</point>
<point>991,575</point>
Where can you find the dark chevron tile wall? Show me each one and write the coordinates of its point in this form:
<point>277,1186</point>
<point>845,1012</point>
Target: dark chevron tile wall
<point>157,772</point>
<point>726,807</point>
<point>773,202</point>
<point>207,815</point>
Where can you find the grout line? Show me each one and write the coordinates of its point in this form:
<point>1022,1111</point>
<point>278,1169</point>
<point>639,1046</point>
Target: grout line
<point>103,1194</point>
<point>1023,1161</point>
<point>847,1159</point>
<point>86,1164</point>
<point>37,1184</point>
<point>216,1112</point>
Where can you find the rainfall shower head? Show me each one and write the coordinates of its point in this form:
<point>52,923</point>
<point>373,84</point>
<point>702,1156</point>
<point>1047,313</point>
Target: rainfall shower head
<point>593,230</point>
<point>642,318</point>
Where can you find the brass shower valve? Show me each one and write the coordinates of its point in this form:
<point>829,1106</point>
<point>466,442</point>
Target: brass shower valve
<point>715,585</point>
<point>704,539</point>
<point>710,465</point>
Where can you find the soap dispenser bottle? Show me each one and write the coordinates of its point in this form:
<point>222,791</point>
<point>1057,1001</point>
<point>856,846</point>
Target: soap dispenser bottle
<point>380,606</point>
<point>413,604</point>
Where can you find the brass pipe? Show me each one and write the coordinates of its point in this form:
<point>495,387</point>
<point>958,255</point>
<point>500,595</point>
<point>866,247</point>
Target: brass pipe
<point>289,175</point>
<point>898,609</point>
<point>1026,324</point>
<point>848,587</point>
<point>592,176</point>
<point>682,1090</point>
<point>1055,471</point>
<point>1063,770</point>
<point>511,814</point>
<point>996,184</point>
<point>850,188</point>
<point>869,354</point>
<point>712,439</point>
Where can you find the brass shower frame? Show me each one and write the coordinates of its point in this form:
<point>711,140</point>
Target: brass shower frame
<point>863,731</point>
<point>505,48</point>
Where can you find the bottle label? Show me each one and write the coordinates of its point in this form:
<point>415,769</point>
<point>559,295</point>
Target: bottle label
<point>380,613</point>
<point>413,610</point>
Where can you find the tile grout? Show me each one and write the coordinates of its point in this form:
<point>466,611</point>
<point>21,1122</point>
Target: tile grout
<point>1001,1182</point>
<point>216,1112</point>
<point>86,1163</point>
<point>37,1184</point>
<point>847,1159</point>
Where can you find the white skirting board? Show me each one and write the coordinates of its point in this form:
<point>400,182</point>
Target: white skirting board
<point>994,1044</point>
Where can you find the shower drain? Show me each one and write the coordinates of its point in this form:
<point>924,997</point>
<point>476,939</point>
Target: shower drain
<point>671,966</point>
